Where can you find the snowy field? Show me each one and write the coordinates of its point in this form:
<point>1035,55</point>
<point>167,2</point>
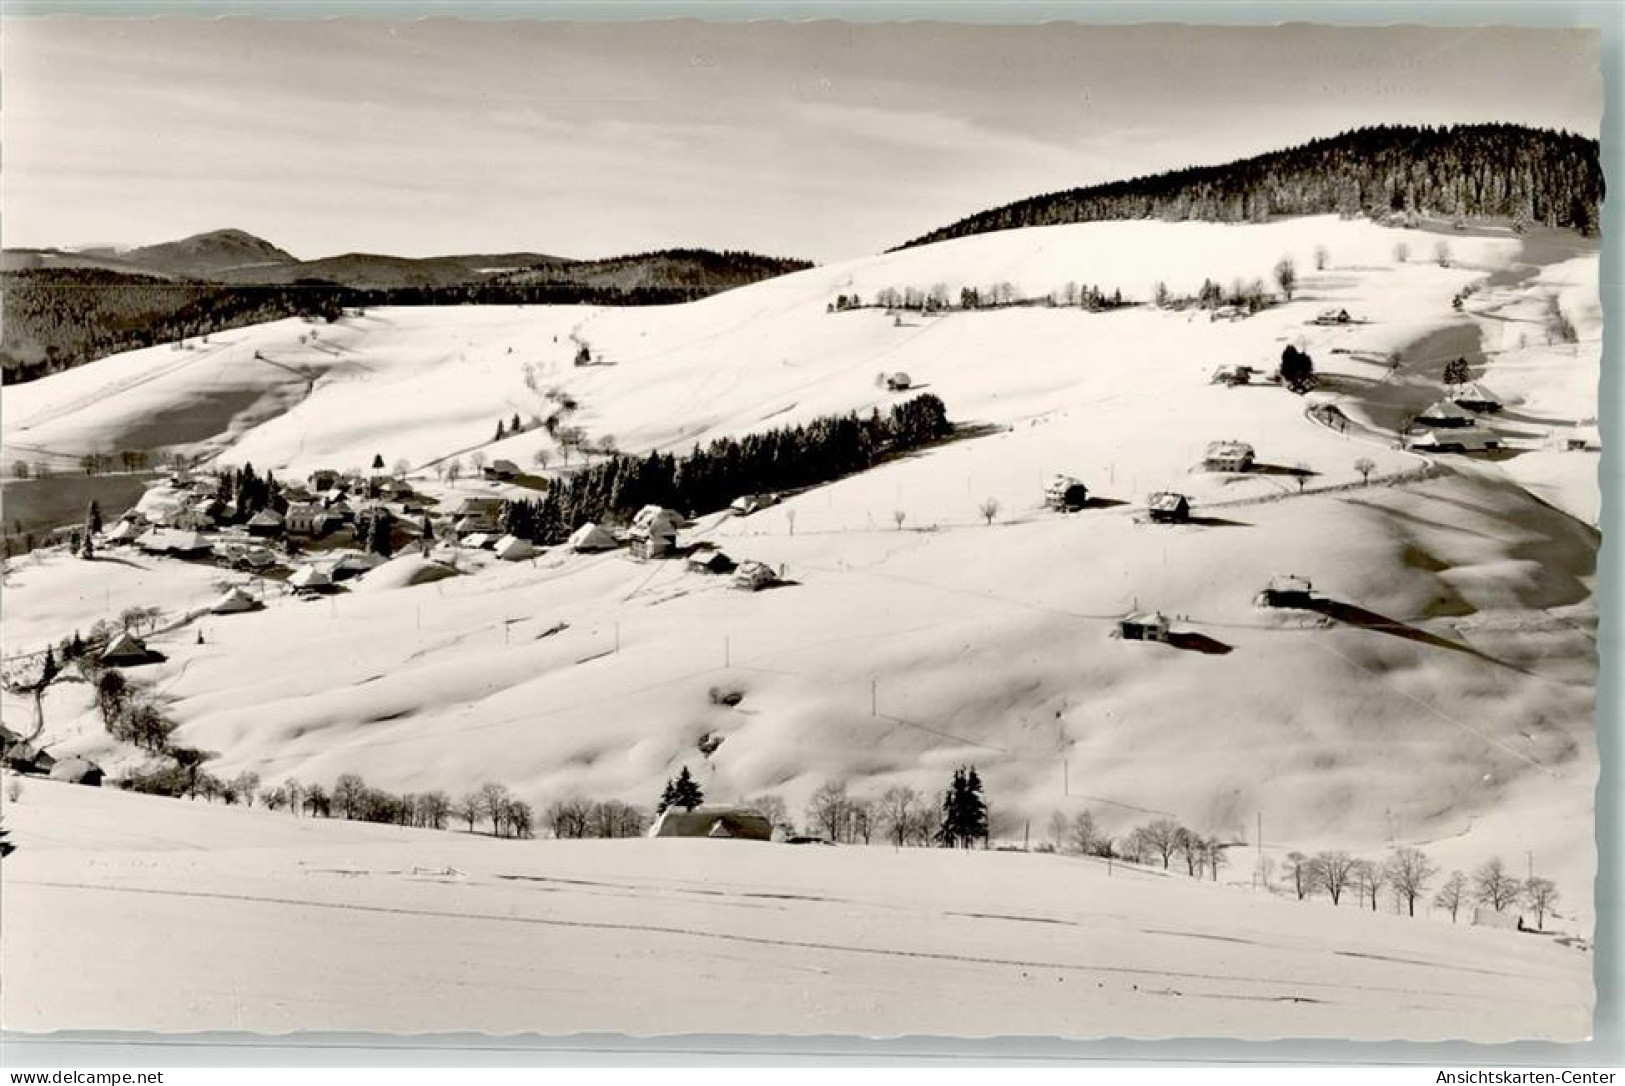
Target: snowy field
<point>1446,702</point>
<point>132,912</point>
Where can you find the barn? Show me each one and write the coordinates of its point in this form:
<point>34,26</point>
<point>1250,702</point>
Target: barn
<point>898,382</point>
<point>510,548</point>
<point>731,823</point>
<point>1287,590</point>
<point>267,522</point>
<point>1167,507</point>
<point>77,771</point>
<point>124,650</point>
<point>310,579</point>
<point>1475,397</point>
<point>234,602</point>
<point>754,576</point>
<point>710,562</point>
<point>1143,626</point>
<point>1446,415</point>
<point>591,537</point>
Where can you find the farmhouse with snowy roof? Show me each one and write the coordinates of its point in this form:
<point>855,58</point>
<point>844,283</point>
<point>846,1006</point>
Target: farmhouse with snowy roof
<point>1065,494</point>
<point>1143,626</point>
<point>1166,507</point>
<point>1228,456</point>
<point>654,532</point>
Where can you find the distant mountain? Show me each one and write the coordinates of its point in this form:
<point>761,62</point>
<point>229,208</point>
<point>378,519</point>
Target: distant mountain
<point>205,256</point>
<point>1497,171</point>
<point>371,271</point>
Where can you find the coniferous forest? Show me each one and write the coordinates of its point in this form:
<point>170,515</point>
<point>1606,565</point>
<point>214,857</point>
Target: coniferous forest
<point>712,476</point>
<point>1499,171</point>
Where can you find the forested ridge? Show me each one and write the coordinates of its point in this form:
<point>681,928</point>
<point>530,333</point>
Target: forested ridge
<point>1499,171</point>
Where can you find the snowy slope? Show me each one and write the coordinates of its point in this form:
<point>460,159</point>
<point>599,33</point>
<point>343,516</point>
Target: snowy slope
<point>1451,706</point>
<point>256,921</point>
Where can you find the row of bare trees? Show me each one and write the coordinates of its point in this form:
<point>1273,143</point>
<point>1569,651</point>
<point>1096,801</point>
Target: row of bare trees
<point>1408,873</point>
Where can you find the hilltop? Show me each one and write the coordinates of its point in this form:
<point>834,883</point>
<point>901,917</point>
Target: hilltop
<point>1466,172</point>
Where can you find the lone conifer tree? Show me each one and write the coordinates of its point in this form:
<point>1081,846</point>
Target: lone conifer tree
<point>684,792</point>
<point>964,813</point>
<point>93,518</point>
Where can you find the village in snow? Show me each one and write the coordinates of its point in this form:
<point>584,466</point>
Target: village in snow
<point>1137,626</point>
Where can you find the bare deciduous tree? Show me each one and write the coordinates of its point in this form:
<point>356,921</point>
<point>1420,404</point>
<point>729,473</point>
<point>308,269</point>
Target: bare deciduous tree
<point>1452,894</point>
<point>1333,873</point>
<point>989,509</point>
<point>1162,838</point>
<point>1365,466</point>
<point>897,805</point>
<point>829,810</point>
<point>1494,886</point>
<point>493,799</point>
<point>1541,894</point>
<point>1408,871</point>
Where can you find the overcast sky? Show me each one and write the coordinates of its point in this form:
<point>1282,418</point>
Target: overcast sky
<point>821,140</point>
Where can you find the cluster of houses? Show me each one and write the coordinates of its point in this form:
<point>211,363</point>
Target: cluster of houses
<point>652,535</point>
<point>1453,423</point>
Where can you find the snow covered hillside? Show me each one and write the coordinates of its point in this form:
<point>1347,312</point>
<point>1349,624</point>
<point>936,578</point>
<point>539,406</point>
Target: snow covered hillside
<point>257,921</point>
<point>1442,696</point>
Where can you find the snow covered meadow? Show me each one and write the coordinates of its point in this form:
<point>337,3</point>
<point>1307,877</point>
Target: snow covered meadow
<point>1441,699</point>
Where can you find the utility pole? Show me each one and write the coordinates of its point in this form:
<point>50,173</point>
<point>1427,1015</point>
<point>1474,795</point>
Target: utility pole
<point>1258,876</point>
<point>874,697</point>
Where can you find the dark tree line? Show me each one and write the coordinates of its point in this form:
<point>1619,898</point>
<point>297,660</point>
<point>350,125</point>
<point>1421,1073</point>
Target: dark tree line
<point>59,318</point>
<point>1500,170</point>
<point>709,478</point>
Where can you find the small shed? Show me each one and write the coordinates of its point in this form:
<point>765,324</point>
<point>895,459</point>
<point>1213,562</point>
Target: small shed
<point>1475,397</point>
<point>122,532</point>
<point>124,650</point>
<point>1167,507</point>
<point>354,565</point>
<point>730,823</point>
<point>1333,316</point>
<point>1287,590</point>
<point>898,382</point>
<point>591,537</point>
<point>267,522</point>
<point>310,579</point>
<point>510,548</point>
<point>710,562</point>
<point>234,602</point>
<point>753,576</point>
<point>745,505</point>
<point>480,540</point>
<point>1232,375</point>
<point>1143,626</point>
<point>323,479</point>
<point>1065,494</point>
<point>1446,415</point>
<point>254,557</point>
<point>1228,456</point>
<point>502,470</point>
<point>1486,917</point>
<point>77,771</point>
